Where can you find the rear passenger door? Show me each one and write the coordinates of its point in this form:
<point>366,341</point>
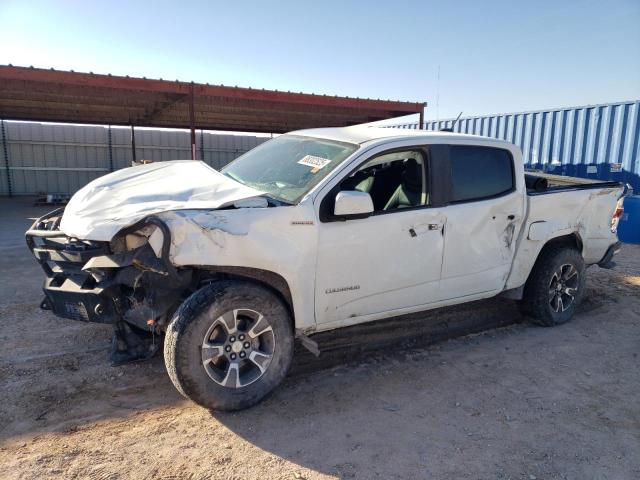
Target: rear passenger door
<point>484,213</point>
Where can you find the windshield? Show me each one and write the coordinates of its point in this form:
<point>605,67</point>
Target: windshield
<point>288,166</point>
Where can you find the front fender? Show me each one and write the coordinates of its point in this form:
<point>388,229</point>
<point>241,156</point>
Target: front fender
<point>282,240</point>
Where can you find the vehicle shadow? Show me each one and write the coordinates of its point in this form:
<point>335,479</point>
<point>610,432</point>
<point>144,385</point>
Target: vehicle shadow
<point>370,394</point>
<point>383,394</point>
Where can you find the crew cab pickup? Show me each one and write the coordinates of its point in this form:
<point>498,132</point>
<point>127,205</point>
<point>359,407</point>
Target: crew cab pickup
<point>311,231</point>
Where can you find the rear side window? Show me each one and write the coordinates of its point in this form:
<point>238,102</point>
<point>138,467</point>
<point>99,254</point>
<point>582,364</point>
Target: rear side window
<point>479,172</point>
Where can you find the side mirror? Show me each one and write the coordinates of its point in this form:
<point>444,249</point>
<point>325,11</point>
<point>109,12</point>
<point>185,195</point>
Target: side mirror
<point>353,204</point>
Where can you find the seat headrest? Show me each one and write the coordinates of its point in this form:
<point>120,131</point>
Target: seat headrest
<point>412,173</point>
<point>351,182</point>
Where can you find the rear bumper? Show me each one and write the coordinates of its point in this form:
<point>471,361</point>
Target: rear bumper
<point>606,261</point>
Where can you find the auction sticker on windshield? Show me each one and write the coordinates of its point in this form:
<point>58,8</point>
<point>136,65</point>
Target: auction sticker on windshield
<point>316,163</point>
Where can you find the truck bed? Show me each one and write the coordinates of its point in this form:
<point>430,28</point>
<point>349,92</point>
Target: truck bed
<point>539,182</point>
<point>559,206</point>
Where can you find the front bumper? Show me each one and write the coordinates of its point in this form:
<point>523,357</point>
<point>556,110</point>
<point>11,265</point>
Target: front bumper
<point>70,292</point>
<point>132,289</point>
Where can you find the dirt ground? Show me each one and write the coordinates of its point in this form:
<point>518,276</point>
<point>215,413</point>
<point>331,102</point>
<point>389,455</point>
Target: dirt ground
<point>517,401</point>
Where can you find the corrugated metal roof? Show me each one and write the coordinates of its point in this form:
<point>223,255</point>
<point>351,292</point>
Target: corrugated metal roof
<point>58,96</point>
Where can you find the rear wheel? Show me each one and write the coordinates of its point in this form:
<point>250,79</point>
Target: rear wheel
<point>555,287</point>
<point>229,345</point>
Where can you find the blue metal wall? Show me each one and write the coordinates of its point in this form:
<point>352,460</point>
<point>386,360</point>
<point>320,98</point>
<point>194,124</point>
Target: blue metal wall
<point>595,141</point>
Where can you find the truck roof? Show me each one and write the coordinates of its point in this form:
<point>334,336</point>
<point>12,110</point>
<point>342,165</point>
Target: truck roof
<point>367,133</point>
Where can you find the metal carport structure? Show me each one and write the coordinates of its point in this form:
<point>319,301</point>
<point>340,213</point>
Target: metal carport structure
<point>28,93</point>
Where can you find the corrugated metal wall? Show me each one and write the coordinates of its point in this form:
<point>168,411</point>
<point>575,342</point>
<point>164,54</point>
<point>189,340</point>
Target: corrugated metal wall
<point>54,158</point>
<point>595,141</point>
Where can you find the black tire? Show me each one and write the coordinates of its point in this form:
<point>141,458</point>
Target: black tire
<point>538,302</point>
<point>190,325</point>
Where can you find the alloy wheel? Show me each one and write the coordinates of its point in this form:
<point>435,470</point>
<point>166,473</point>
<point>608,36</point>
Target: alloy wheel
<point>563,287</point>
<point>238,347</point>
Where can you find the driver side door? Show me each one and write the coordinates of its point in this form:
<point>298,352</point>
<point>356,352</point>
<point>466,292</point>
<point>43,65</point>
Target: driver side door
<point>388,262</point>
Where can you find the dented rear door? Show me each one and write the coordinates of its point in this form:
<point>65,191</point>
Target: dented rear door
<point>484,215</point>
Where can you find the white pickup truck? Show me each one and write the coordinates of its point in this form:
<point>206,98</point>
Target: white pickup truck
<point>310,231</point>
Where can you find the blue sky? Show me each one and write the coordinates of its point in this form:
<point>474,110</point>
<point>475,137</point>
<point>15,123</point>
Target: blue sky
<point>492,57</point>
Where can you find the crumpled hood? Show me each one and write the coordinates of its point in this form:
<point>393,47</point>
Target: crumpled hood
<point>103,207</point>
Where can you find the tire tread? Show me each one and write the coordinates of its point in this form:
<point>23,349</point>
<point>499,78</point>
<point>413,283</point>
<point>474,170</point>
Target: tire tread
<point>535,302</point>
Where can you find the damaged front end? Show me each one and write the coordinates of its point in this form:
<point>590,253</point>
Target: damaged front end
<point>123,282</point>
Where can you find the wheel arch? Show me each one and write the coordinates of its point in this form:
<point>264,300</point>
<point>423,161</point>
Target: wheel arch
<point>571,240</point>
<point>266,278</point>
<point>525,265</point>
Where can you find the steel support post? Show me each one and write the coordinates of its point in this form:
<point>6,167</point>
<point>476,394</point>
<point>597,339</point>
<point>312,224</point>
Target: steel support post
<point>202,145</point>
<point>110,142</point>
<point>192,122</point>
<point>5,150</point>
<point>133,144</point>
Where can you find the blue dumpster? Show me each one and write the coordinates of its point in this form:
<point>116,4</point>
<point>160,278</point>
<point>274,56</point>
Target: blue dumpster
<point>629,226</point>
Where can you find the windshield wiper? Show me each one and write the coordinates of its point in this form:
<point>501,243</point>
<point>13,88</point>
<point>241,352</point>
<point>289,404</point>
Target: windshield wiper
<point>233,177</point>
<point>277,202</point>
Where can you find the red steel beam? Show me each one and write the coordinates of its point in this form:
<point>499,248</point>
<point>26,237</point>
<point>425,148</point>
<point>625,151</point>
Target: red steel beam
<point>50,95</point>
<point>153,85</point>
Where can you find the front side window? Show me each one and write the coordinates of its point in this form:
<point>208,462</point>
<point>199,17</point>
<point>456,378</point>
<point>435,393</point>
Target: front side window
<point>479,172</point>
<point>394,180</point>
<point>288,166</point>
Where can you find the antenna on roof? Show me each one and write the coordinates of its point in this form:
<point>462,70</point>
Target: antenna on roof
<point>450,129</point>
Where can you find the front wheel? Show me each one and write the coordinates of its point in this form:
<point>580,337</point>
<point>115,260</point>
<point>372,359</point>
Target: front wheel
<point>555,287</point>
<point>229,345</point>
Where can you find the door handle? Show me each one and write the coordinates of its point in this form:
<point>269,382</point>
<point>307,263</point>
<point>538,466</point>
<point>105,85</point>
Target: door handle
<point>417,229</point>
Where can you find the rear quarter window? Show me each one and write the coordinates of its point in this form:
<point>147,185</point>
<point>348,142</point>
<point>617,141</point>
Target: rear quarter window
<point>480,172</point>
